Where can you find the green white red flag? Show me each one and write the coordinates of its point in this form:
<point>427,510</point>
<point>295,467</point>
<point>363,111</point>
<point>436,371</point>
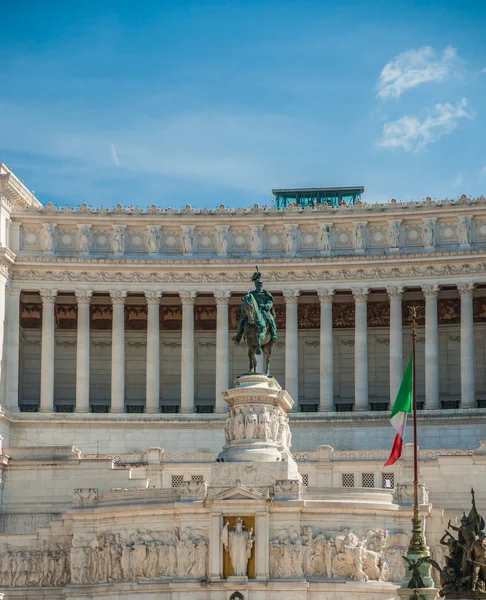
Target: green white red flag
<point>402,407</point>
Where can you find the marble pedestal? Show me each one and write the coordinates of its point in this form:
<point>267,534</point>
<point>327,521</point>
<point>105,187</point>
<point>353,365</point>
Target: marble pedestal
<point>257,427</point>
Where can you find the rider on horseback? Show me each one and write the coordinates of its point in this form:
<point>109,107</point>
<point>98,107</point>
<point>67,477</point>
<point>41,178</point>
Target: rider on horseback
<point>264,300</point>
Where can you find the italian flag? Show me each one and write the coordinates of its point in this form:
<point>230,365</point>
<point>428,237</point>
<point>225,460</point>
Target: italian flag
<point>402,407</point>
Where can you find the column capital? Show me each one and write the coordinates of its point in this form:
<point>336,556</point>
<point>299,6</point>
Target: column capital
<point>326,295</point>
<point>48,296</point>
<point>466,290</point>
<point>152,297</point>
<point>118,297</point>
<point>430,291</point>
<point>360,294</point>
<point>83,296</point>
<point>291,296</point>
<point>395,291</point>
<point>222,296</point>
<point>187,297</point>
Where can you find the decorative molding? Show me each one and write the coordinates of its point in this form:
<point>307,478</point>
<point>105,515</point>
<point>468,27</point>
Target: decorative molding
<point>206,345</point>
<point>137,344</point>
<point>66,344</point>
<point>172,344</point>
<point>101,344</point>
<point>312,343</point>
<point>347,342</point>
<point>395,292</point>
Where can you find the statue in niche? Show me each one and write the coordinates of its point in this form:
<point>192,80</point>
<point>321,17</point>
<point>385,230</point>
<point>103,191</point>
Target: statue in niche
<point>394,235</point>
<point>222,241</point>
<point>291,239</point>
<point>240,544</point>
<point>464,231</point>
<point>154,240</point>
<point>256,240</point>
<point>360,237</point>
<point>325,238</point>
<point>429,234</point>
<point>119,240</point>
<point>49,237</point>
<point>188,240</point>
<point>84,240</point>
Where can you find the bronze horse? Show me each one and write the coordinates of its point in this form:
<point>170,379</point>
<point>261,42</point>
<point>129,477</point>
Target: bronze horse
<point>257,334</point>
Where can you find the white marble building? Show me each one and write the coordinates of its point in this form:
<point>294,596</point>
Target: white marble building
<point>116,326</point>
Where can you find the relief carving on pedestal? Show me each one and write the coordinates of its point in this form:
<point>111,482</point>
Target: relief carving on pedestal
<point>250,423</point>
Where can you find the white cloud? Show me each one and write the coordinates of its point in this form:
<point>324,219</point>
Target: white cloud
<point>483,70</point>
<point>483,170</point>
<point>411,134</point>
<point>114,155</point>
<point>413,67</point>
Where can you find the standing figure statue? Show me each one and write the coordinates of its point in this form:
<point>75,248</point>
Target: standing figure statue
<point>257,323</point>
<point>240,544</point>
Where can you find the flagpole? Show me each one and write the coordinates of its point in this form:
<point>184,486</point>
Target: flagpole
<point>417,542</point>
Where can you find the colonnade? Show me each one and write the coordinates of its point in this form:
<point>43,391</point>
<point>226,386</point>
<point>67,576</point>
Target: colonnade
<point>222,297</point>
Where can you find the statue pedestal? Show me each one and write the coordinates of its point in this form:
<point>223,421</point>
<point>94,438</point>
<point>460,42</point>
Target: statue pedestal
<point>257,427</point>
<point>237,580</point>
<point>427,593</point>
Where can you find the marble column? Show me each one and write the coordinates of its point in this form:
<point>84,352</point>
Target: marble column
<point>83,351</point>
<point>153,352</point>
<point>361,349</point>
<point>468,396</point>
<point>326,351</point>
<point>187,353</point>
<point>431,347</point>
<point>396,341</point>
<point>222,349</point>
<point>12,349</point>
<point>292,345</point>
<point>118,352</point>
<point>47,351</point>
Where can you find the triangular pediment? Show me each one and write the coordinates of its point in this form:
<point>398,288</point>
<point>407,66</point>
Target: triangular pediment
<point>237,492</point>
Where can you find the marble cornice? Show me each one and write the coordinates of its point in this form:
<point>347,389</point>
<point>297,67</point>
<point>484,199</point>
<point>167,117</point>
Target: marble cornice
<point>360,211</point>
<point>373,268</point>
<point>215,420</point>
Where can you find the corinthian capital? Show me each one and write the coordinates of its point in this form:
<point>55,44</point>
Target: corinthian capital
<point>83,296</point>
<point>291,296</point>
<point>360,294</point>
<point>48,296</point>
<point>118,297</point>
<point>188,297</point>
<point>222,297</point>
<point>430,291</point>
<point>395,291</point>
<point>465,289</point>
<point>153,297</point>
<point>326,295</point>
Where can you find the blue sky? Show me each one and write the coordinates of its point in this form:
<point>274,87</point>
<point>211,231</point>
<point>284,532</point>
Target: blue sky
<point>171,103</point>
